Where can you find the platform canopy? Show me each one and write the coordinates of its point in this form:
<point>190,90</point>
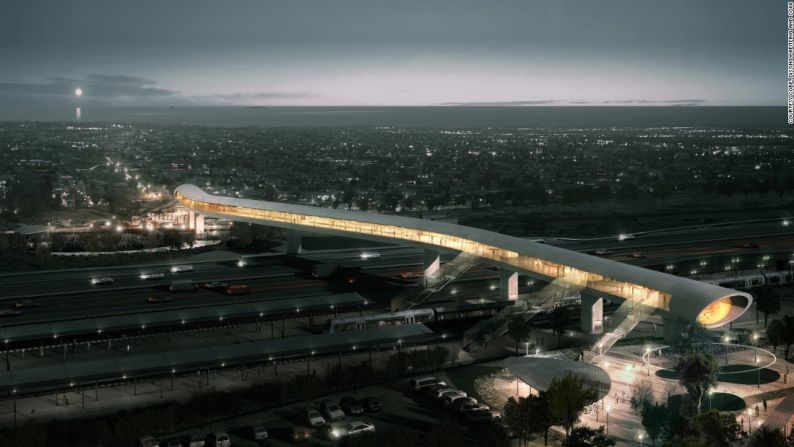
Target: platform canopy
<point>538,371</point>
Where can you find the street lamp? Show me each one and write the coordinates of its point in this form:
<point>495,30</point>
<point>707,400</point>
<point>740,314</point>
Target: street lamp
<point>609,408</point>
<point>601,350</point>
<point>640,436</point>
<point>727,340</point>
<point>750,420</point>
<point>755,344</point>
<point>758,368</point>
<point>648,359</point>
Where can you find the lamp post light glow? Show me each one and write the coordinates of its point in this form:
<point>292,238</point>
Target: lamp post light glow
<point>711,392</point>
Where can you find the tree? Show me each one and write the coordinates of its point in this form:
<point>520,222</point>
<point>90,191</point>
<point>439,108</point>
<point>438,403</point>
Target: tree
<point>560,318</point>
<point>767,437</point>
<point>568,397</point>
<point>698,372</point>
<point>774,333</point>
<point>767,302</point>
<point>529,415</point>
<point>716,429</point>
<point>588,437</point>
<point>518,329</point>
<point>787,337</point>
<point>642,396</point>
<point>654,420</point>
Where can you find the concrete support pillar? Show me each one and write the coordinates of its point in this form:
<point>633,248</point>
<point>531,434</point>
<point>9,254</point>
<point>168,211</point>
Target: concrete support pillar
<point>293,244</point>
<point>673,330</point>
<point>592,314</point>
<point>508,285</point>
<point>199,225</point>
<point>432,263</point>
<point>191,220</point>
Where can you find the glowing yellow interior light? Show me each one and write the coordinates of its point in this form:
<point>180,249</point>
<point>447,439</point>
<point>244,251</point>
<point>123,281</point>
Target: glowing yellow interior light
<point>715,312</point>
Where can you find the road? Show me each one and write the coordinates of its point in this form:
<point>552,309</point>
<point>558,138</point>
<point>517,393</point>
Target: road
<point>69,294</point>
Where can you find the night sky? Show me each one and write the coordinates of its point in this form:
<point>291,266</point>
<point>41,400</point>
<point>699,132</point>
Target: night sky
<point>369,52</point>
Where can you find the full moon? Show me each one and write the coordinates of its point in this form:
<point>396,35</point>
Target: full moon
<point>78,92</point>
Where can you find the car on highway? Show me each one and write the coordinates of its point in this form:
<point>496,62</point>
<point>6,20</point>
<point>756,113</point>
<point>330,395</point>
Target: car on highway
<point>746,245</point>
<point>372,404</point>
<point>638,255</point>
<point>193,441</point>
<point>9,313</point>
<point>145,276</point>
<point>313,417</point>
<point>158,299</point>
<point>183,285</point>
<point>410,275</point>
<point>259,433</point>
<point>181,268</point>
<point>332,412</point>
<point>26,303</point>
<point>215,285</point>
<point>101,281</point>
<point>238,289</point>
<point>351,406</point>
<point>423,382</point>
<point>369,255</point>
<point>602,252</point>
<point>218,439</point>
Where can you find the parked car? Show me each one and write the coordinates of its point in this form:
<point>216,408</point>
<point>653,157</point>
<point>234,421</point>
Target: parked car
<point>449,401</point>
<point>332,411</point>
<point>461,403</point>
<point>300,434</point>
<point>372,404</point>
<point>173,442</point>
<point>148,441</point>
<point>218,439</point>
<point>313,417</point>
<point>259,433</point>
<point>350,405</point>
<point>481,416</point>
<point>441,393</point>
<point>193,441</point>
<point>433,389</point>
<point>358,428</point>
<point>418,384</point>
<point>469,408</point>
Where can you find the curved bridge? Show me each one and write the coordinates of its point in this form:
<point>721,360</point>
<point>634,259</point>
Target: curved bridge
<point>674,297</point>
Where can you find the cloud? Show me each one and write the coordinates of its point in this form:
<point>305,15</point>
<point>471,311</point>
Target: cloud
<point>248,98</point>
<point>502,103</point>
<point>651,101</point>
<point>96,87</point>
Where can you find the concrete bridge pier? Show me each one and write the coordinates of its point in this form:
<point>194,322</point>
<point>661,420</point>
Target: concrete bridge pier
<point>432,264</point>
<point>592,314</point>
<point>673,330</point>
<point>195,222</point>
<point>293,243</point>
<point>508,285</point>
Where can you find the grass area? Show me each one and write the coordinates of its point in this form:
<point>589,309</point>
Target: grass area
<point>728,374</point>
<point>719,401</point>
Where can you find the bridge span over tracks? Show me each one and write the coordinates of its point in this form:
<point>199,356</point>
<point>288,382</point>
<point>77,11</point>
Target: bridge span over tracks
<point>679,300</point>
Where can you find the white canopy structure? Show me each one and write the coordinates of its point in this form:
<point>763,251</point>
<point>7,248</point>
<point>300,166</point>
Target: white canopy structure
<point>672,296</point>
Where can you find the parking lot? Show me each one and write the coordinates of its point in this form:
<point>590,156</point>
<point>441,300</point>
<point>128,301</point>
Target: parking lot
<point>404,409</point>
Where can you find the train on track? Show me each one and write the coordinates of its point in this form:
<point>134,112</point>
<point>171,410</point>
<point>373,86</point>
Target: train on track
<point>753,280</point>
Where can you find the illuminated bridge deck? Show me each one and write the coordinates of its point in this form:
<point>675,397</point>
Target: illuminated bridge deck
<point>674,296</point>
